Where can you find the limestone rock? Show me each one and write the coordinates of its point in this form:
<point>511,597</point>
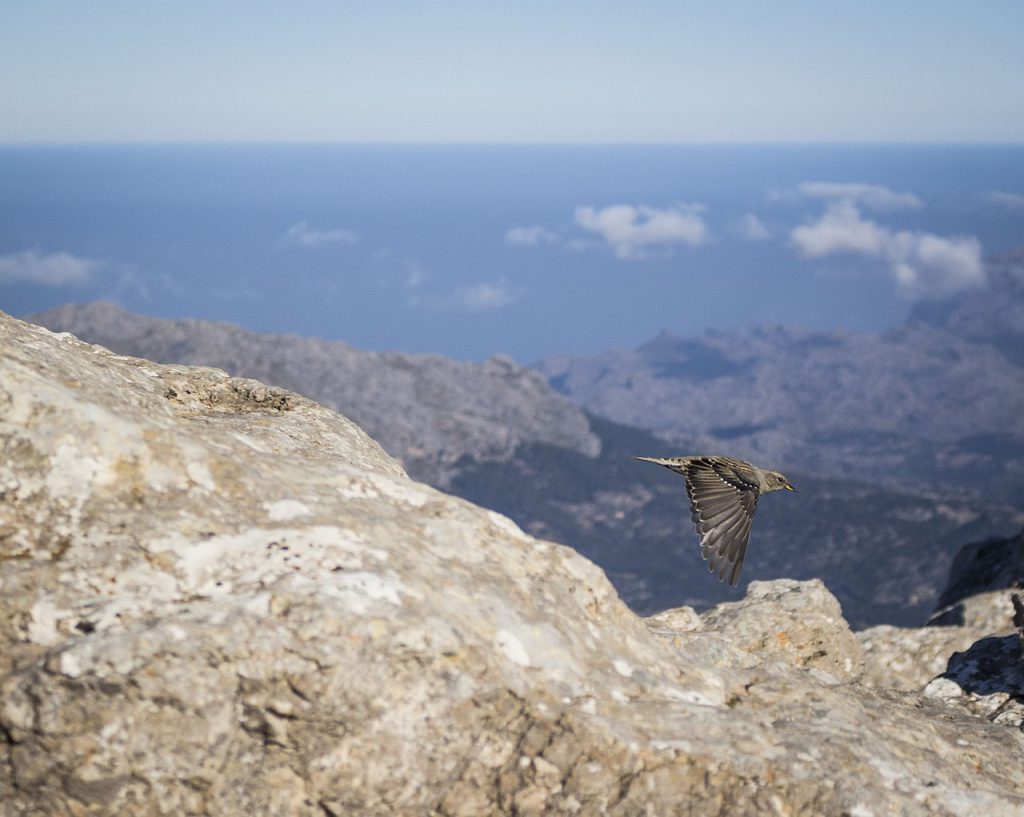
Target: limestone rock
<point>982,580</point>
<point>427,410</point>
<point>976,602</point>
<point>989,612</point>
<point>988,678</point>
<point>907,658</point>
<point>217,598</point>
<point>800,623</point>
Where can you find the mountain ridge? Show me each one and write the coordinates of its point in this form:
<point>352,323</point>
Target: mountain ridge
<point>923,403</point>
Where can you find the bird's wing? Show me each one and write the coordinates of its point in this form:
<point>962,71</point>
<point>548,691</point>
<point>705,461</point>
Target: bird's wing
<point>723,498</point>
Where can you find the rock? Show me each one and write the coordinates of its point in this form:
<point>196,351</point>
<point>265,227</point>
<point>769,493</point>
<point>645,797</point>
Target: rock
<point>976,602</point>
<point>427,410</point>
<point>674,621</point>
<point>987,679</point>
<point>498,435</point>
<point>989,613</point>
<point>800,623</point>
<point>907,658</point>
<point>219,598</point>
<point>981,582</point>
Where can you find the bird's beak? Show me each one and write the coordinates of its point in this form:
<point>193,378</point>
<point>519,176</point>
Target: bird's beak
<point>789,487</point>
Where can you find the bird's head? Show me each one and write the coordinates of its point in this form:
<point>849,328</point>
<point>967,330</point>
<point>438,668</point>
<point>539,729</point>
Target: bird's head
<point>774,481</point>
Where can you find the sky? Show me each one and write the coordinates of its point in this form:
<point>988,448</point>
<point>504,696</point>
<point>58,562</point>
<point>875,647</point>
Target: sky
<point>528,178</point>
<point>524,250</point>
<point>568,72</point>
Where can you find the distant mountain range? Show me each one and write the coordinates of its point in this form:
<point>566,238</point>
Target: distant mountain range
<point>937,403</point>
<point>904,445</point>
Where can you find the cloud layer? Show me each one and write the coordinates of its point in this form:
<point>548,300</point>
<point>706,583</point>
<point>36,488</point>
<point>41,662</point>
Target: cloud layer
<point>1011,201</point>
<point>531,236</point>
<point>925,266</point>
<point>478,297</point>
<point>50,269</point>
<point>872,196</point>
<point>751,228</point>
<point>631,231</point>
<point>301,234</point>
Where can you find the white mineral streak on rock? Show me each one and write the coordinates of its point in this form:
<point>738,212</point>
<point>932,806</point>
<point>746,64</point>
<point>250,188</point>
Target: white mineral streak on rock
<point>284,510</point>
<point>512,648</point>
<point>358,589</point>
<point>257,557</point>
<point>199,473</point>
<point>409,493</point>
<point>622,667</point>
<point>43,618</point>
<point>173,617</point>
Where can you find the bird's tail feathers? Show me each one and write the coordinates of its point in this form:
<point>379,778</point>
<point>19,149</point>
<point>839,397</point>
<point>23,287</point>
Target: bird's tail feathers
<point>668,462</point>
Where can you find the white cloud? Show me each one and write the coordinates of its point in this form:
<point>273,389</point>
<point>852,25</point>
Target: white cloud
<point>302,235</point>
<point>479,297</point>
<point>925,266</point>
<point>840,229</point>
<point>630,230</point>
<point>531,236</point>
<point>1011,201</point>
<point>872,196</point>
<point>751,228</point>
<point>51,269</point>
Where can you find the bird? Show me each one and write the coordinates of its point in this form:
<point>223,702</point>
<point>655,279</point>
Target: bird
<point>723,495</point>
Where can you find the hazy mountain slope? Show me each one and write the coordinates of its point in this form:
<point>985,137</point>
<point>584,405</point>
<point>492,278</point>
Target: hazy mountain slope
<point>884,554</point>
<point>426,410</point>
<point>993,315</point>
<point>918,405</point>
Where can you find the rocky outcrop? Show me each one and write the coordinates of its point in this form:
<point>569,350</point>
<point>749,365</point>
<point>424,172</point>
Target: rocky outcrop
<point>970,652</point>
<point>907,658</point>
<point>982,581</point>
<point>427,410</point>
<point>800,623</point>
<point>987,679</point>
<point>219,598</point>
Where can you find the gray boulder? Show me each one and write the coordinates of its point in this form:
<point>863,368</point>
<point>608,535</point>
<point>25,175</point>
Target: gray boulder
<point>218,598</point>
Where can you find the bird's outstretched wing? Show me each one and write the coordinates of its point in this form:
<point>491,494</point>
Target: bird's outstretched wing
<point>723,498</point>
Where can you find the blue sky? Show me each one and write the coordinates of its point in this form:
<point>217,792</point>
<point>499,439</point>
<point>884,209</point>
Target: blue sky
<point>893,71</point>
<point>525,250</point>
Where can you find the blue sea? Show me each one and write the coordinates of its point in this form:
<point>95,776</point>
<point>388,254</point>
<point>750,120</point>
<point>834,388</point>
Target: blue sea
<point>474,250</point>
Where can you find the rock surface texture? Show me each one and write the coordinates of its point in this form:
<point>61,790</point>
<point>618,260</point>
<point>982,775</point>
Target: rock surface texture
<point>982,581</point>
<point>218,598</point>
<point>427,410</point>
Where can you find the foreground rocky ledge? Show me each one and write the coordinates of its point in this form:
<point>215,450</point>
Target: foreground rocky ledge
<point>217,598</point>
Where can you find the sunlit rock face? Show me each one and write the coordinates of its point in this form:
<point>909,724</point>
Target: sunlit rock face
<point>219,598</point>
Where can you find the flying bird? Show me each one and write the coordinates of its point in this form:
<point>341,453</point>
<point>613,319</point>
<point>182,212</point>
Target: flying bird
<point>723,498</point>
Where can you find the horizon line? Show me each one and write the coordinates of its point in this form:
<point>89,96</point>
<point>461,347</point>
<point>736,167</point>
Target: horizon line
<point>504,144</point>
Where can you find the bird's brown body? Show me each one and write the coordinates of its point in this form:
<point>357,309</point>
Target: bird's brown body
<point>723,495</point>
